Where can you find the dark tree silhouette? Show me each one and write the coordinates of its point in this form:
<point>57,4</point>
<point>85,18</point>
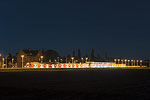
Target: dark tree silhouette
<point>79,54</point>
<point>92,54</point>
<point>9,58</point>
<point>50,54</point>
<point>73,53</point>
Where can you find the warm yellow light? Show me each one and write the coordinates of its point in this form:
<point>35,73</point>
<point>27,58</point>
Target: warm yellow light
<point>42,57</point>
<point>72,58</point>
<point>22,56</point>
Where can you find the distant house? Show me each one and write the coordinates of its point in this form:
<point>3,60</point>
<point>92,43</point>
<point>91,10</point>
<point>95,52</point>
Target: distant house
<point>27,56</point>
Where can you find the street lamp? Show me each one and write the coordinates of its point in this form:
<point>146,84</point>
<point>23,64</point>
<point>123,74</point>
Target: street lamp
<point>128,62</point>
<point>132,62</point>
<point>22,56</point>
<point>61,60</point>
<point>82,59</point>
<point>141,62</point>
<point>119,61</point>
<point>86,59</point>
<point>3,61</point>
<point>122,61</point>
<point>115,61</point>
<point>137,62</point>
<point>72,59</point>
<point>125,61</point>
<point>12,61</point>
<point>42,59</point>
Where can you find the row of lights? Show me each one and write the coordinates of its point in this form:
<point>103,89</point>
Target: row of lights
<point>72,60</point>
<point>122,61</point>
<point>82,59</point>
<point>127,61</point>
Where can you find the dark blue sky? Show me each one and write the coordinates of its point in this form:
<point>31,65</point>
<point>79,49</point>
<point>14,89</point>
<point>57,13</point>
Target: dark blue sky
<point>118,27</point>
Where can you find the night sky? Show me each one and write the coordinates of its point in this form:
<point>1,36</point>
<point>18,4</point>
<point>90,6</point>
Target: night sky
<point>118,27</point>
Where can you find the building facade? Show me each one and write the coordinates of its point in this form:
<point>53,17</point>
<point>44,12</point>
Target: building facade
<point>27,56</point>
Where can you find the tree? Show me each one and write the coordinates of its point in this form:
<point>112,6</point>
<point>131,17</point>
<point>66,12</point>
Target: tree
<point>74,54</point>
<point>79,54</point>
<point>9,59</point>
<point>50,54</point>
<point>10,63</point>
<point>92,54</point>
<point>68,58</point>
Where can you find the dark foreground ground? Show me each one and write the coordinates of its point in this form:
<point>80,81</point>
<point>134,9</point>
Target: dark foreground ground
<point>117,84</point>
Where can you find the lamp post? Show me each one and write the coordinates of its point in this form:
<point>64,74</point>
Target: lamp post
<point>41,58</point>
<point>122,61</point>
<point>132,62</point>
<point>22,56</point>
<point>125,61</point>
<point>3,61</point>
<point>72,59</point>
<point>12,61</point>
<point>115,60</point>
<point>128,62</point>
<point>118,61</point>
<point>137,62</point>
<point>141,62</point>
<point>61,60</point>
<point>86,59</point>
<point>82,59</point>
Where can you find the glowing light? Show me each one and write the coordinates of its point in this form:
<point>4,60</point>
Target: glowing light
<point>78,65</point>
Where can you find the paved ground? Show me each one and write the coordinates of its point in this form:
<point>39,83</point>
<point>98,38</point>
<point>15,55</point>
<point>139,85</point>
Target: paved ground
<point>61,69</point>
<point>110,84</point>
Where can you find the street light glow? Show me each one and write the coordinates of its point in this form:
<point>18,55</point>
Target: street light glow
<point>22,56</point>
